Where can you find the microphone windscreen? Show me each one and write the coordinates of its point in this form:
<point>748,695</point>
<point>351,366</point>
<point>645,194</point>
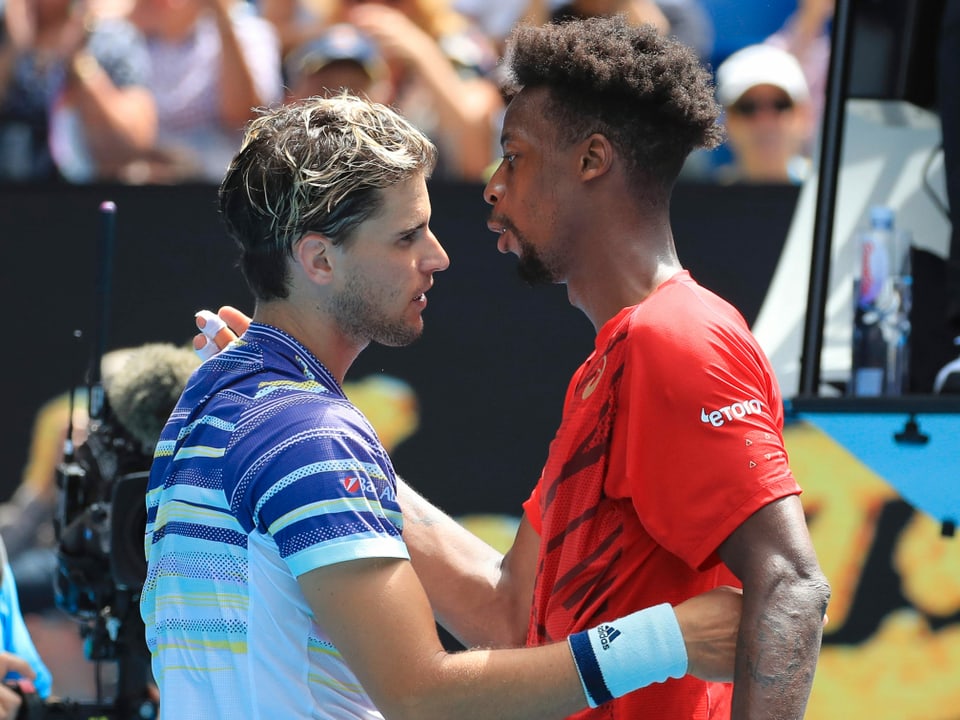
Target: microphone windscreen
<point>143,390</point>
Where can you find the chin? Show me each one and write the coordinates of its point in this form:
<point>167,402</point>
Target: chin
<point>399,336</point>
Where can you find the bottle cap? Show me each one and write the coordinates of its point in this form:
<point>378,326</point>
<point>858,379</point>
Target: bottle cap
<point>881,216</point>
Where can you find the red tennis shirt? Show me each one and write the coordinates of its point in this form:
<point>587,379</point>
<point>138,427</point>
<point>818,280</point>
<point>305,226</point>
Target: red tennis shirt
<point>671,437</point>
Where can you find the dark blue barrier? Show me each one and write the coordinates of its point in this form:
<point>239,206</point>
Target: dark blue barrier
<point>489,373</point>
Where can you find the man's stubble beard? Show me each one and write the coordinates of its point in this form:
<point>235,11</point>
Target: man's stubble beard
<point>360,319</point>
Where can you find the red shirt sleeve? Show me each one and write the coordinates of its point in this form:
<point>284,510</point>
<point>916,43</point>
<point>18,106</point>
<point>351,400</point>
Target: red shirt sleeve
<point>700,420</point>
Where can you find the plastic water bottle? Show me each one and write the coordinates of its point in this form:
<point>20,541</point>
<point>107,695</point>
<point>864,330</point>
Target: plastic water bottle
<point>881,315</point>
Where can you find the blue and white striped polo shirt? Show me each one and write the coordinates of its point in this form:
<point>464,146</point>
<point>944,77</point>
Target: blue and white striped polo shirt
<point>264,472</point>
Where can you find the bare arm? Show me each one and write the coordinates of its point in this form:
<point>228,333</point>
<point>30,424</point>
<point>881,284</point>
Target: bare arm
<point>480,596</point>
<point>17,36</point>
<point>377,614</point>
<point>238,90</point>
<point>805,26</point>
<point>784,601</point>
<point>8,60</point>
<point>120,122</point>
<point>465,107</point>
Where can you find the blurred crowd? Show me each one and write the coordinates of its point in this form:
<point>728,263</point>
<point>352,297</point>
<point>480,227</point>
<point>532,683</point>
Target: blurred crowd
<point>158,91</point>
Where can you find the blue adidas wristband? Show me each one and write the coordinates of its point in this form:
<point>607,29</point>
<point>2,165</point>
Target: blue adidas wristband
<point>623,655</point>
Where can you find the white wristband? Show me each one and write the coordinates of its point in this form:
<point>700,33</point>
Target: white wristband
<point>623,655</point>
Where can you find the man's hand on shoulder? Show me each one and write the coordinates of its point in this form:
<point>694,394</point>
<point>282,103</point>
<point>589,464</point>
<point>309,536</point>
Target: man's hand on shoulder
<point>218,330</point>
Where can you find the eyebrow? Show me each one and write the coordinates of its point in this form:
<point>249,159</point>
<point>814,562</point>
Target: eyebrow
<point>413,229</point>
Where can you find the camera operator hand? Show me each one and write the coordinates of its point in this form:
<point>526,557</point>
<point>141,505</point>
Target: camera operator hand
<point>10,698</point>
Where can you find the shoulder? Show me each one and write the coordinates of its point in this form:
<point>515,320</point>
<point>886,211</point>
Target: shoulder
<point>121,49</point>
<point>115,35</point>
<point>686,326</point>
<point>683,309</point>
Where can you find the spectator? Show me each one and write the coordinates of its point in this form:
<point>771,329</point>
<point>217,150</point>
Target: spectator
<point>213,63</point>
<point>440,67</point>
<point>296,21</point>
<point>73,101</point>
<point>687,20</point>
<point>340,58</point>
<point>690,23</point>
<point>636,11</point>
<point>497,19</point>
<point>767,115</point>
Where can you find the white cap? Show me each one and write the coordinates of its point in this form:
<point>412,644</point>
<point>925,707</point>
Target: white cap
<point>760,65</point>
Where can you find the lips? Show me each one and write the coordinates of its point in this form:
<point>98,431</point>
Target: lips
<point>496,227</point>
<point>499,224</point>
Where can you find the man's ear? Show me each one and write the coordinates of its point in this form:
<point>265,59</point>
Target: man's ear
<point>313,254</point>
<point>596,156</point>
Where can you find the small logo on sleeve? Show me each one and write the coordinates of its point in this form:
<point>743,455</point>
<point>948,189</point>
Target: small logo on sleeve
<point>731,412</point>
<point>594,380</point>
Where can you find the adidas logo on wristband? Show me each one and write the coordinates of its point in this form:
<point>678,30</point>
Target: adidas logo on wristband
<point>650,649</point>
<point>607,634</point>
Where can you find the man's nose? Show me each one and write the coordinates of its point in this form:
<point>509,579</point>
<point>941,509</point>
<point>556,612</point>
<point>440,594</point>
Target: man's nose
<point>494,189</point>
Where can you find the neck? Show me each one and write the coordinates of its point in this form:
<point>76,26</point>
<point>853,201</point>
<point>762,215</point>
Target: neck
<point>622,264</point>
<point>315,331</point>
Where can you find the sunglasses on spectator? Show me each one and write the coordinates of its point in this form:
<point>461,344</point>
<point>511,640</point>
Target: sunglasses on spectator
<point>749,108</point>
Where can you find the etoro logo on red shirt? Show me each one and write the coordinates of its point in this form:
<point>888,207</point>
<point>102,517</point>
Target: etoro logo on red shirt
<point>733,411</point>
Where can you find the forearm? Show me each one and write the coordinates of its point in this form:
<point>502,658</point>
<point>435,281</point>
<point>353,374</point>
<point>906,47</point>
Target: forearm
<point>464,577</point>
<point>8,60</point>
<point>503,684</point>
<point>785,597</point>
<point>778,647</point>
<point>377,614</point>
<point>549,681</point>
<point>238,91</point>
<point>119,122</point>
<point>803,29</point>
<point>464,108</point>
